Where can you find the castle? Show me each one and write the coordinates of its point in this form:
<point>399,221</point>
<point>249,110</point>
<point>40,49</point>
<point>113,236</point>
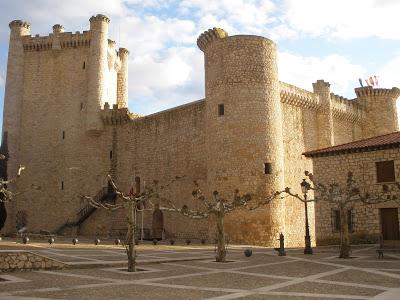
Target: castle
<point>66,119</point>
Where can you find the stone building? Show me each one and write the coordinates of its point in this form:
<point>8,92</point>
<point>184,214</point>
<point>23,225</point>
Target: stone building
<point>66,119</point>
<point>374,161</point>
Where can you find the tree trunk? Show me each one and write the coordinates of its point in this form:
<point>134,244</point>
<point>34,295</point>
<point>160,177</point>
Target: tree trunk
<point>344,234</point>
<point>221,250</point>
<point>130,250</point>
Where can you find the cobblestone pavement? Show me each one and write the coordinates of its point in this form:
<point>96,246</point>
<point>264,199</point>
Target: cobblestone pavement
<point>264,275</point>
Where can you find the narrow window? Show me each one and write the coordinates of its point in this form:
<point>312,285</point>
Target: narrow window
<point>62,185</point>
<point>137,185</point>
<point>63,135</point>
<point>336,220</point>
<point>350,219</point>
<point>111,154</point>
<point>81,106</point>
<point>84,65</point>
<point>267,168</point>
<point>385,171</point>
<point>221,110</point>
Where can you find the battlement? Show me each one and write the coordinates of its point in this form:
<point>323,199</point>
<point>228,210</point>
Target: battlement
<point>369,91</point>
<point>65,39</point>
<point>346,109</point>
<point>123,51</point>
<point>296,96</point>
<point>100,17</point>
<point>342,108</point>
<point>209,36</point>
<point>58,28</point>
<point>116,115</point>
<point>19,23</point>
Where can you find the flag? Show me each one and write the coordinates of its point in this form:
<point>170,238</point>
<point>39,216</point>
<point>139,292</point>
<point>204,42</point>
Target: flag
<point>360,81</point>
<point>376,80</point>
<point>371,81</point>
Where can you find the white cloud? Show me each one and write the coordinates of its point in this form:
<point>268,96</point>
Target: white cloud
<point>303,71</point>
<point>389,74</point>
<point>174,79</point>
<point>246,16</point>
<point>150,34</point>
<point>344,19</point>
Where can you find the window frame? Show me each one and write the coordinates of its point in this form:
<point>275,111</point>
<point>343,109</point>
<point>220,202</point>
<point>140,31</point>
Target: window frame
<point>381,177</point>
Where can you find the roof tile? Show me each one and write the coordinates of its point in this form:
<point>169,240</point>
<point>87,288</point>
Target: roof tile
<point>387,140</point>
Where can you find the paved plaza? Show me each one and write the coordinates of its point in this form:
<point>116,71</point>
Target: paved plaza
<point>189,272</point>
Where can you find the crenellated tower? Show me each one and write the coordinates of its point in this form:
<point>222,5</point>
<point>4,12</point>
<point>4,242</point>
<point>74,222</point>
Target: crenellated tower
<point>244,127</point>
<point>14,91</point>
<point>380,110</point>
<point>324,117</point>
<point>98,67</point>
<point>122,89</point>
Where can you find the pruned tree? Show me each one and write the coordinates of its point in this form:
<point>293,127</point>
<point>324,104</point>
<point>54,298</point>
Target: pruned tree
<point>218,207</point>
<point>344,197</point>
<point>129,202</point>
<point>7,195</point>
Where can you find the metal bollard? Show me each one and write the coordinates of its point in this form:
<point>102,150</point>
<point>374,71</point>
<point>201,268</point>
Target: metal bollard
<point>281,240</point>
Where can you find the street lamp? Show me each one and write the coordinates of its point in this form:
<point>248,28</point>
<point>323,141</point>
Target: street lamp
<point>305,186</point>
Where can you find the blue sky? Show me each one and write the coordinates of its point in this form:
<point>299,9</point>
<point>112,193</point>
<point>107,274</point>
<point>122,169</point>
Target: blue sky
<point>335,40</point>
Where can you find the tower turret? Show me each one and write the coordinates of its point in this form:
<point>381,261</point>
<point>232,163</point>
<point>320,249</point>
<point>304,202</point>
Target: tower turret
<point>58,29</point>
<point>14,91</point>
<point>380,109</point>
<point>324,117</point>
<point>122,81</point>
<point>97,69</point>
<point>244,130</point>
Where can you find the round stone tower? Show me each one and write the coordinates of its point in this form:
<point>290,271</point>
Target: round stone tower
<point>14,92</point>
<point>244,129</point>
<point>97,71</point>
<point>380,109</point>
<point>122,88</point>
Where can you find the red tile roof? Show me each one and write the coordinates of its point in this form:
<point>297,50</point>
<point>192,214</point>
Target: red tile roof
<point>391,140</point>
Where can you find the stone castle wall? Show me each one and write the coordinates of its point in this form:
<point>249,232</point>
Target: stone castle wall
<point>61,87</point>
<point>334,168</point>
<point>160,147</point>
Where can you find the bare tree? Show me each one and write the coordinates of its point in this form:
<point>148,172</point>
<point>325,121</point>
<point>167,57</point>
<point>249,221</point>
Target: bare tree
<point>6,195</point>
<point>131,203</point>
<point>217,207</point>
<point>344,197</point>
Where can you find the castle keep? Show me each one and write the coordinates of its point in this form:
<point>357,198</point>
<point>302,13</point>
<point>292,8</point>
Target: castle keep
<point>66,119</point>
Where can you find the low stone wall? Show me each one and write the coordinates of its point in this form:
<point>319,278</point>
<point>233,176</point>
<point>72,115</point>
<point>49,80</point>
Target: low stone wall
<point>23,260</point>
<point>355,238</point>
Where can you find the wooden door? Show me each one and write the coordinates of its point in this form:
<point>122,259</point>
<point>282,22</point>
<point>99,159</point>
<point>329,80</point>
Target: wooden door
<point>158,224</point>
<point>390,224</point>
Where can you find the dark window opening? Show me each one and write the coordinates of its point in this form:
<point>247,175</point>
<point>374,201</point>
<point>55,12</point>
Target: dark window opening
<point>336,220</point>
<point>111,154</point>
<point>385,171</point>
<point>137,185</point>
<point>84,65</point>
<point>62,185</point>
<point>63,135</point>
<point>267,168</point>
<point>221,110</point>
<point>81,105</point>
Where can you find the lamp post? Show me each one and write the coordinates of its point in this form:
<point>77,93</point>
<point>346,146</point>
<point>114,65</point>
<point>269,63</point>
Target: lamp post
<point>305,186</point>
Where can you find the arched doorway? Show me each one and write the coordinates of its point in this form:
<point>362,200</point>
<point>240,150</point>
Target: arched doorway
<point>158,223</point>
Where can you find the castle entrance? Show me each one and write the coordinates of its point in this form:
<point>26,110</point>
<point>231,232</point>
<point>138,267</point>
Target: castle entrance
<point>390,224</point>
<point>158,223</point>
